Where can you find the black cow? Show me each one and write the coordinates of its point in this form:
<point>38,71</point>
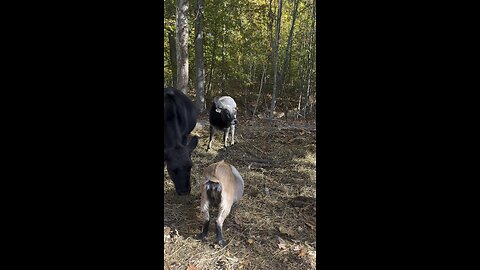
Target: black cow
<point>180,118</point>
<point>223,116</point>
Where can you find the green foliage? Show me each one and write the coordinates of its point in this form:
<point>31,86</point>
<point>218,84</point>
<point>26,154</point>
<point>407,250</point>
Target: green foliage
<point>248,48</point>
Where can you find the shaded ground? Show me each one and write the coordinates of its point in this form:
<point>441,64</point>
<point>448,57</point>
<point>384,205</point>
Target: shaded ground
<point>274,226</point>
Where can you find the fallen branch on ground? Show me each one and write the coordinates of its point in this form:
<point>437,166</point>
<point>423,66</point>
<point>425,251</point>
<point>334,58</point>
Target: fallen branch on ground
<point>261,160</point>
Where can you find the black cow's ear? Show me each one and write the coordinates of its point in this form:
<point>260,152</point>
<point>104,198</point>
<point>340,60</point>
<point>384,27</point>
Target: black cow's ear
<point>193,143</point>
<point>165,155</point>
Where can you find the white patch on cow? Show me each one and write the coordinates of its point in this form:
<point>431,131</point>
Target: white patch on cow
<point>226,102</point>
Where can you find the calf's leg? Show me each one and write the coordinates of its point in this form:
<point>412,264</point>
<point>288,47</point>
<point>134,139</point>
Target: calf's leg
<point>206,218</point>
<point>223,213</point>
<point>212,130</point>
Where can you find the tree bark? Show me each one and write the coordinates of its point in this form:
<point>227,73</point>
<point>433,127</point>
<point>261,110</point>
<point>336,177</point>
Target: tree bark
<point>171,43</point>
<point>247,86</point>
<point>212,65</point>
<point>224,32</point>
<point>271,15</point>
<point>173,57</point>
<point>286,62</point>
<point>224,71</point>
<point>275,61</point>
<point>181,26</point>
<point>314,61</point>
<point>199,61</point>
<point>260,91</point>
<point>310,62</point>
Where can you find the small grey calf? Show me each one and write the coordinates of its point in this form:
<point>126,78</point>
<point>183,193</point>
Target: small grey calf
<point>223,187</point>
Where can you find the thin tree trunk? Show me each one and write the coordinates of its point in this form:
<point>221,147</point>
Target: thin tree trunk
<point>288,49</point>
<point>252,75</point>
<point>314,54</point>
<point>300,73</point>
<point>171,42</point>
<point>224,72</point>
<point>271,15</point>
<point>260,91</point>
<point>199,61</point>
<point>212,65</point>
<point>307,85</point>
<point>181,26</point>
<point>307,94</point>
<point>224,30</point>
<point>275,61</point>
<point>304,72</point>
<point>245,92</point>
<point>173,57</point>
<point>310,62</point>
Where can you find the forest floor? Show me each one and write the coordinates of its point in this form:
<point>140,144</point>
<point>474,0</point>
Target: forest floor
<point>274,225</point>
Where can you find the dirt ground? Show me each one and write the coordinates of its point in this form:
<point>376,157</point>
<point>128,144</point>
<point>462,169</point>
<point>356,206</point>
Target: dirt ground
<point>274,225</point>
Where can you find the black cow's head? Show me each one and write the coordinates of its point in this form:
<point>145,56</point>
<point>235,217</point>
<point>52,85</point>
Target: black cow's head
<point>228,115</point>
<point>179,165</point>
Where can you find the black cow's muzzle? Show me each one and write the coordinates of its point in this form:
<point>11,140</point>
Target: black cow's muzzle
<point>183,193</point>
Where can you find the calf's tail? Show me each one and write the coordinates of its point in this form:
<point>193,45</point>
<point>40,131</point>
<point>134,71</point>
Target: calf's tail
<point>214,193</point>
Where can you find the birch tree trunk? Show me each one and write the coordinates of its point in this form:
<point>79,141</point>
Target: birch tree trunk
<point>224,71</point>
<point>275,61</point>
<point>310,62</point>
<point>199,60</point>
<point>260,91</point>
<point>173,57</point>
<point>212,66</point>
<point>181,26</point>
<point>286,62</point>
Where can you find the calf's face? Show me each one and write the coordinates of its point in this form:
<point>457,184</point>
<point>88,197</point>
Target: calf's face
<point>228,116</point>
<point>179,166</point>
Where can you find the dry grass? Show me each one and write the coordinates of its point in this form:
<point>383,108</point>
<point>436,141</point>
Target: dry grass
<point>274,225</point>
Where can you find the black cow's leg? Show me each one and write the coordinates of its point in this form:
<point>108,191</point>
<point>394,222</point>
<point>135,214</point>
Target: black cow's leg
<point>184,140</point>
<point>212,130</point>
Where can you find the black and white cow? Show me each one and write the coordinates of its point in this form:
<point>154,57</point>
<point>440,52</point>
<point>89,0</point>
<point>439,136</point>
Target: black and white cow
<point>180,118</point>
<point>223,116</point>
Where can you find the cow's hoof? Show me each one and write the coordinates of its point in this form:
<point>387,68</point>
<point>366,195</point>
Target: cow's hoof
<point>221,242</point>
<point>202,237</point>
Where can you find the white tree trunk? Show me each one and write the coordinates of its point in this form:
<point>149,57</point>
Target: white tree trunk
<point>181,26</point>
<point>199,60</point>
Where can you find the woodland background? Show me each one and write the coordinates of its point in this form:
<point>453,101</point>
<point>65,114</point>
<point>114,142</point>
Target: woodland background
<point>260,52</point>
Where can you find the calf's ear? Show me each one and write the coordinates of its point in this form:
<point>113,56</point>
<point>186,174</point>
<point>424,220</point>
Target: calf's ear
<point>193,143</point>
